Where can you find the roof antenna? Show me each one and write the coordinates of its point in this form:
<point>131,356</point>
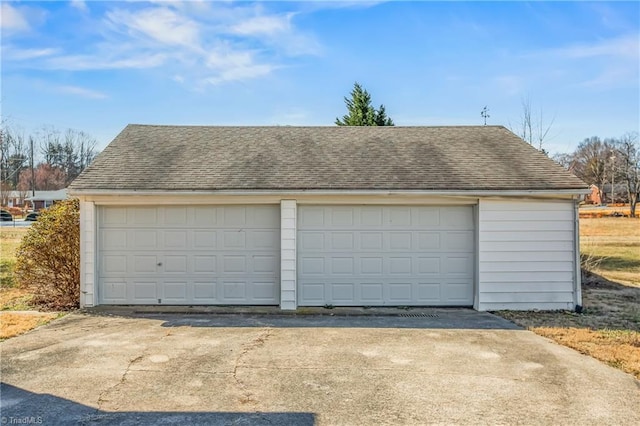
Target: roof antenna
<point>485,114</point>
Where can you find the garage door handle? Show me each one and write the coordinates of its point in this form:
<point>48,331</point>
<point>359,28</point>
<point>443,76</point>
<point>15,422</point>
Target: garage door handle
<point>159,263</point>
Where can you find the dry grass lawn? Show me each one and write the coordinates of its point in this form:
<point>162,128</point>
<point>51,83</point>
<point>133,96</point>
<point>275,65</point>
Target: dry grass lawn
<point>17,314</point>
<point>15,323</point>
<point>9,241</point>
<point>608,329</point>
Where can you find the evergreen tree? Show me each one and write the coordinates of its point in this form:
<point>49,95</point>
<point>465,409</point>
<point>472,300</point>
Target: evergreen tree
<point>361,112</point>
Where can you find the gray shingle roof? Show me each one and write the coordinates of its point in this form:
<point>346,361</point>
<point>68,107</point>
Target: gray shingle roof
<point>184,158</point>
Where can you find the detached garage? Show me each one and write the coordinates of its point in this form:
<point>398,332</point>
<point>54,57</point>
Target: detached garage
<point>315,216</point>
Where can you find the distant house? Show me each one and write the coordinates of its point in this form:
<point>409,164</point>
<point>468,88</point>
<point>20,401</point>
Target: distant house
<point>594,196</point>
<point>43,199</point>
<point>14,198</point>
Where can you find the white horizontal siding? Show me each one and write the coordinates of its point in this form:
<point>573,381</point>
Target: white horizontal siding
<point>524,306</point>
<point>526,255</point>
<point>87,254</point>
<point>288,254</point>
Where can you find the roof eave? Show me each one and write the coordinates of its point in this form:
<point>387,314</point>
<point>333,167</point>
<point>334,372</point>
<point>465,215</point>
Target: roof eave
<point>294,192</point>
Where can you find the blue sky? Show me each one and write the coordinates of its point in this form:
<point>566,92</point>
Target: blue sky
<point>96,66</point>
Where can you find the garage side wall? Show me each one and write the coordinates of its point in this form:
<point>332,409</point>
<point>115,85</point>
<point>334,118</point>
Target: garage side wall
<point>527,255</point>
<point>87,254</point>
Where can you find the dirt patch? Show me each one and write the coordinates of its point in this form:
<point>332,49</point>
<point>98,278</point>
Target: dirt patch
<point>15,323</point>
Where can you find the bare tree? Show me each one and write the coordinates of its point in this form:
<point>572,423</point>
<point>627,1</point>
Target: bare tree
<point>531,128</point>
<point>72,152</point>
<point>590,161</point>
<point>627,152</point>
<point>5,192</point>
<point>13,155</point>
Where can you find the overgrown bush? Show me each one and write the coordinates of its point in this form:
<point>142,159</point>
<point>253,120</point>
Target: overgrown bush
<point>48,259</point>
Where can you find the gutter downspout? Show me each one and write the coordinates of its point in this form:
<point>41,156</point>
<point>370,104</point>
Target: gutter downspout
<point>577,294</point>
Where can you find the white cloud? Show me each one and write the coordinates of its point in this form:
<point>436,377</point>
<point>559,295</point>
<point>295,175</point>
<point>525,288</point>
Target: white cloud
<point>603,64</point>
<point>80,91</point>
<point>13,19</point>
<point>16,54</point>
<point>263,25</point>
<point>240,73</point>
<point>90,62</point>
<point>194,43</point>
<point>81,5</point>
<point>160,24</point>
<point>625,47</point>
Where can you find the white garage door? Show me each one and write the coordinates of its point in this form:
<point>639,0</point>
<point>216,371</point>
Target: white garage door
<point>385,255</point>
<point>189,255</point>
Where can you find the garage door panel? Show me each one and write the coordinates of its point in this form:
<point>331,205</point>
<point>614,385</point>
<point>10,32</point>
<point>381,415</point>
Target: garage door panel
<point>113,240</point>
<point>176,264</point>
<point>204,263</point>
<point>143,239</point>
<point>456,217</point>
<point>371,217</point>
<point>458,265</point>
<point>234,290</point>
<point>146,291</point>
<point>457,292</point>
<point>341,241</point>
<point>371,241</point>
<point>400,292</point>
<point>458,241</point>
<point>204,217</point>
<point>400,241</point>
<point>115,290</point>
<point>264,239</point>
<point>115,264</point>
<point>312,266</point>
<point>175,239</point>
<point>189,255</point>
<point>174,291</point>
<point>233,240</point>
<point>428,265</point>
<point>266,291</point>
<point>429,292</point>
<point>341,266</point>
<point>143,216</point>
<point>145,264</point>
<point>428,218</point>
<point>371,265</point>
<point>341,217</point>
<point>175,216</point>
<point>204,292</point>
<point>342,292</point>
<point>398,217</point>
<point>428,241</point>
<point>390,255</point>
<point>400,266</point>
<point>205,239</point>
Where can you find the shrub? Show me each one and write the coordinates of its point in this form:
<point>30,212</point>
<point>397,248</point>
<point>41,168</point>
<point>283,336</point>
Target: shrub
<point>48,259</point>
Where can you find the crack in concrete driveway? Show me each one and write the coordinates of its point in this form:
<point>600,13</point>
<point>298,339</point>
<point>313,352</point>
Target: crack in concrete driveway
<point>253,344</point>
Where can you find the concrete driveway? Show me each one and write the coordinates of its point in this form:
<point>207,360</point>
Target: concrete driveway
<point>453,367</point>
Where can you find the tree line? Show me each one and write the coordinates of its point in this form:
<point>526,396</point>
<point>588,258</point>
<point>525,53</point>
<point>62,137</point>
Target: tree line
<point>46,160</point>
<point>609,161</point>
